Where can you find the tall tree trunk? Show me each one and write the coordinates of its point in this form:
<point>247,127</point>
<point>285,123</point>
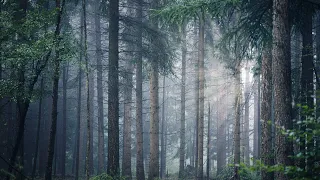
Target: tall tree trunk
<point>154,122</point>
<point>246,118</point>
<point>197,69</point>
<point>306,77</point>
<point>209,143</point>
<point>183,103</point>
<point>139,123</point>
<point>101,153</point>
<point>64,119</point>
<point>126,157</point>
<point>163,135</point>
<point>78,135</point>
<point>88,170</point>
<point>281,77</point>
<point>56,76</point>
<point>38,132</point>
<point>237,124</point>
<point>256,124</point>
<point>113,168</point>
<point>201,97</point>
<point>266,96</point>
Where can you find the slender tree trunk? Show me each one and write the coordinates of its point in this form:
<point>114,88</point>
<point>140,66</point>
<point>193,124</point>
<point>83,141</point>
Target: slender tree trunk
<point>78,135</point>
<point>154,122</point>
<point>56,76</point>
<point>113,168</point>
<point>163,155</point>
<point>281,74</point>
<point>64,119</point>
<point>183,103</point>
<point>197,69</point>
<point>139,123</point>
<point>256,124</point>
<point>237,125</point>
<point>126,157</point>
<point>101,153</point>
<point>38,133</point>
<point>209,143</point>
<point>201,97</point>
<point>266,96</point>
<point>88,170</point>
<point>246,118</point>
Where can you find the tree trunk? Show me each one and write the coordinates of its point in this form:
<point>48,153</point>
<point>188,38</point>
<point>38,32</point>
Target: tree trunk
<point>201,97</point>
<point>163,135</point>
<point>209,144</point>
<point>88,169</point>
<point>78,135</point>
<point>237,124</point>
<point>126,157</point>
<point>101,153</point>
<point>38,132</point>
<point>281,77</point>
<point>183,103</point>
<point>154,122</point>
<point>246,118</point>
<point>266,96</point>
<point>56,76</point>
<point>113,168</point>
<point>197,69</point>
<point>139,123</point>
<point>256,132</point>
<point>64,119</point>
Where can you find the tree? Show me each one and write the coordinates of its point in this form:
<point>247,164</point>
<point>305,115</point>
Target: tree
<point>139,122</point>
<point>101,153</point>
<point>201,95</point>
<point>80,72</point>
<point>163,133</point>
<point>281,78</point>
<point>38,132</point>
<point>246,117</point>
<point>56,76</point>
<point>183,103</point>
<point>88,160</point>
<point>113,168</point>
<point>266,100</point>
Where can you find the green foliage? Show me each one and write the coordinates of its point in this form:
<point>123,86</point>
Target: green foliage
<point>105,176</point>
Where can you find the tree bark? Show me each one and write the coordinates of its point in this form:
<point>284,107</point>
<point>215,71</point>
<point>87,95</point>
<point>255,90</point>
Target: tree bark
<point>281,77</point>
<point>113,168</point>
